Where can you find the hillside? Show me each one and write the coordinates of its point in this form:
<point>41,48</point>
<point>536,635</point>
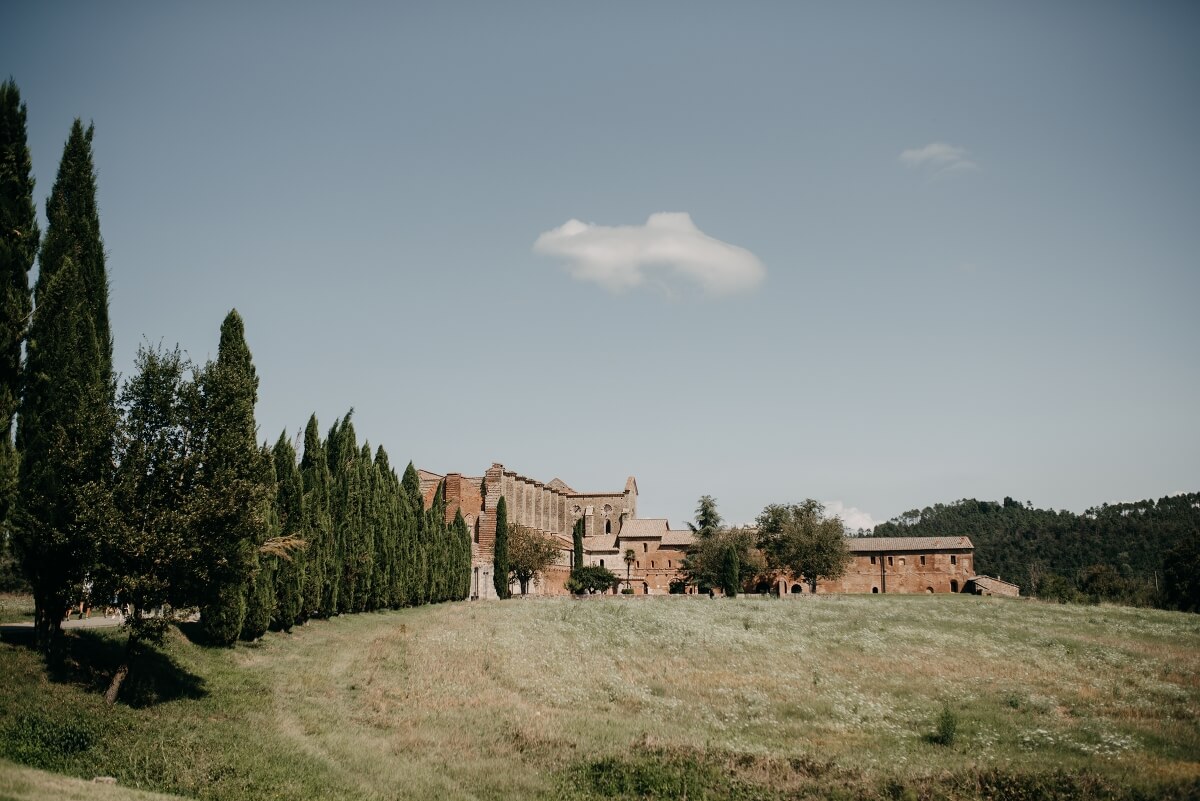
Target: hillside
<point>1055,553</point>
<point>743,698</point>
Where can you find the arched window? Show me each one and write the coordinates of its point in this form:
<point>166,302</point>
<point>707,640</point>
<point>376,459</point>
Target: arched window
<point>651,563</point>
<point>874,589</point>
<point>645,547</point>
<point>608,527</point>
<point>601,563</point>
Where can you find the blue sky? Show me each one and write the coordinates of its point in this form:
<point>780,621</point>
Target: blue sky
<point>932,250</point>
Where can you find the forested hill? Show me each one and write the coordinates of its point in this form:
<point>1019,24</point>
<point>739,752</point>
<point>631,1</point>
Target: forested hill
<point>1110,550</point>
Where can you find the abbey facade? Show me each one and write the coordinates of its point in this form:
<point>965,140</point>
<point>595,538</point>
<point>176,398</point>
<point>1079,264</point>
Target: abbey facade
<point>646,553</point>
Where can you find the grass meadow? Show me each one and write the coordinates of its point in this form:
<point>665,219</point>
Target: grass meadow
<point>871,697</point>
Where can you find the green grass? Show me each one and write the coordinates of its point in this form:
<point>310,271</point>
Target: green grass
<point>15,608</point>
<point>838,697</point>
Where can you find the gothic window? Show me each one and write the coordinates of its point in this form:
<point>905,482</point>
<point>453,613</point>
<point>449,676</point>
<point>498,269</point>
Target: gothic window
<point>608,527</point>
<point>607,509</point>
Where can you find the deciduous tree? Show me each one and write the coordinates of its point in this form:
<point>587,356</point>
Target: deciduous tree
<point>529,553</point>
<point>799,538</point>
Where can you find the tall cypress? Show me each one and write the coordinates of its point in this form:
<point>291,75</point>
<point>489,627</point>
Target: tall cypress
<point>67,415</point>
<point>322,578</point>
<point>18,247</point>
<point>232,523</point>
<point>577,536</point>
<point>260,587</point>
<point>500,558</point>
<point>289,510</point>
<point>412,509</point>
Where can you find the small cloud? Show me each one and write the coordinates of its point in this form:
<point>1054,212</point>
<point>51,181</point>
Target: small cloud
<point>938,158</point>
<point>852,518</point>
<point>618,257</point>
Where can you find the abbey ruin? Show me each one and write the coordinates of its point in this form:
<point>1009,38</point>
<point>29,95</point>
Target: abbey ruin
<point>612,527</point>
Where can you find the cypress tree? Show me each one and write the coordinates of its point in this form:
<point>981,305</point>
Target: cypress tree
<point>67,415</point>
<point>290,573</point>
<point>323,577</point>
<point>260,588</point>
<point>18,246</point>
<point>233,491</point>
<point>412,510</point>
<point>500,558</point>
<point>577,536</point>
<point>461,537</point>
<point>729,572</point>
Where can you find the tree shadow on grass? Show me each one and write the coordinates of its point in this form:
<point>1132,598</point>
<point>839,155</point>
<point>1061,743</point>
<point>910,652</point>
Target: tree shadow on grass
<point>91,658</point>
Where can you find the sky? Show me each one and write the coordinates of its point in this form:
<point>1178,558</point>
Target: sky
<point>882,255</point>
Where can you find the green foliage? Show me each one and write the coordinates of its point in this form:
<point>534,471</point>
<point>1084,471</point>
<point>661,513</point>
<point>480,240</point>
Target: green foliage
<point>148,552</point>
<point>232,491</point>
<point>730,580</point>
<point>529,553</point>
<point>704,565</point>
<point>19,237</point>
<point>945,729</point>
<point>1181,573</point>
<point>577,544</point>
<point>500,566</point>
<point>67,415</point>
<point>591,578</point>
<point>799,539</point>
<point>1052,554</point>
<point>708,521</point>
<point>288,510</point>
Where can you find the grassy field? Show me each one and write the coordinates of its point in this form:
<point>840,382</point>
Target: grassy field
<point>15,608</point>
<point>837,697</point>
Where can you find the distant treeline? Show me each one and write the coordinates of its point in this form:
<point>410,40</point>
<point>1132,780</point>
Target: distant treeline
<point>1145,553</point>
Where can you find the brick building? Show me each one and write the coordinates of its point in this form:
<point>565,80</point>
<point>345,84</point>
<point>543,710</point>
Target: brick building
<point>902,564</point>
<point>612,530</point>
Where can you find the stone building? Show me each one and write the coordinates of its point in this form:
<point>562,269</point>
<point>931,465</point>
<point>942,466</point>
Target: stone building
<point>613,532</point>
<point>901,564</point>
<point>548,508</point>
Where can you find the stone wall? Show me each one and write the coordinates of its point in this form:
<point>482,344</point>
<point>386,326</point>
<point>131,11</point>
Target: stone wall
<point>906,572</point>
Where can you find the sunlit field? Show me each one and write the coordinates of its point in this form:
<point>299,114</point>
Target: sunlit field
<point>836,697</point>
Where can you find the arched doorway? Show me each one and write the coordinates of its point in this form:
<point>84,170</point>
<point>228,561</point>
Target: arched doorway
<point>953,585</point>
<point>929,590</point>
<point>797,589</point>
<point>874,589</point>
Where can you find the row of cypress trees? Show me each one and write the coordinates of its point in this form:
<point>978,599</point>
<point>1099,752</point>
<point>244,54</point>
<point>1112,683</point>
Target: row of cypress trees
<point>163,495</point>
<point>369,541</point>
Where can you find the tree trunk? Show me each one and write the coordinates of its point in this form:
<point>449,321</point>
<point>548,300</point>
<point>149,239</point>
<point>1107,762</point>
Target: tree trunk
<point>114,686</point>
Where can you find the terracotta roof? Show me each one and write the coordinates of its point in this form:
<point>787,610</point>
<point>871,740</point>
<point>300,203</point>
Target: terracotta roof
<point>990,581</point>
<point>637,527</point>
<point>601,542</point>
<point>877,544</point>
<point>676,537</point>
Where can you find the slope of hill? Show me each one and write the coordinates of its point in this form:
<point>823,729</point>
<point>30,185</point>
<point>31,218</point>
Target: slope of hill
<point>647,697</point>
<point>1114,552</point>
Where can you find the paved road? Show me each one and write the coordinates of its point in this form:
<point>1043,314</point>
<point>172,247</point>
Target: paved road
<point>24,630</point>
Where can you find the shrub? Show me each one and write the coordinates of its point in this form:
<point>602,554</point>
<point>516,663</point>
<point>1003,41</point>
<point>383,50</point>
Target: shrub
<point>591,578</point>
<point>945,729</point>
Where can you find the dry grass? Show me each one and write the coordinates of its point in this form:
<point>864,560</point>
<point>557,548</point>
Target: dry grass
<point>501,700</point>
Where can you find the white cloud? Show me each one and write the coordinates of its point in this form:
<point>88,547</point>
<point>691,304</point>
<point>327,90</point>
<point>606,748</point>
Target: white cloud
<point>620,257</point>
<point>852,517</point>
<point>939,158</point>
